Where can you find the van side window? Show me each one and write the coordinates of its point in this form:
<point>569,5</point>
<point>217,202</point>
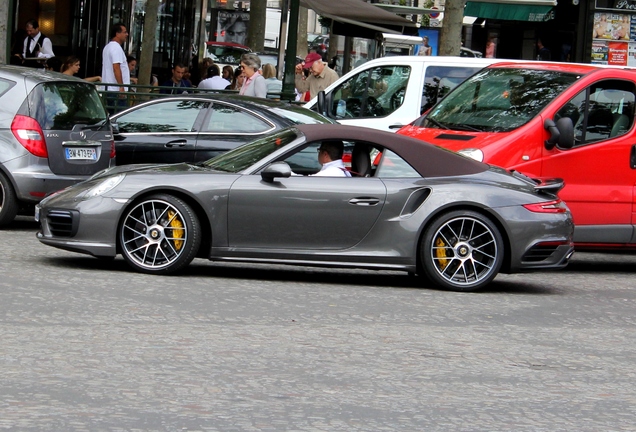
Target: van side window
<point>373,92</point>
<point>602,111</point>
<point>439,80</point>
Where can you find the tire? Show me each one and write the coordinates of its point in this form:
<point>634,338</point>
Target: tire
<point>461,251</point>
<point>159,235</point>
<point>8,201</point>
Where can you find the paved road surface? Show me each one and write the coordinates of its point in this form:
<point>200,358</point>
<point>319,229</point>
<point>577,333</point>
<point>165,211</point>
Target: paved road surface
<point>87,345</point>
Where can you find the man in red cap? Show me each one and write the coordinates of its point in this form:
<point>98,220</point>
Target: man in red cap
<point>320,75</point>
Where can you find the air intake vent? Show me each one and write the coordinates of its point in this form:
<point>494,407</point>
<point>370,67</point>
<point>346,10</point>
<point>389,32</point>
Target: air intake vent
<point>63,223</point>
<point>455,137</point>
<point>539,253</point>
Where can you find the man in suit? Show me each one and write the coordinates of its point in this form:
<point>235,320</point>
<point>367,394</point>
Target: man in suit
<point>36,45</point>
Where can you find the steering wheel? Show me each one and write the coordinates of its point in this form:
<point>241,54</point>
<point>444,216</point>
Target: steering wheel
<point>397,98</point>
<point>374,108</point>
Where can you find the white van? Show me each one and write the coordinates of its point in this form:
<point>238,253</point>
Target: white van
<point>390,92</point>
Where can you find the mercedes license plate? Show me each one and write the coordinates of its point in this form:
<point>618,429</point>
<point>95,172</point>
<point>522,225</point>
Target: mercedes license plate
<point>81,153</point>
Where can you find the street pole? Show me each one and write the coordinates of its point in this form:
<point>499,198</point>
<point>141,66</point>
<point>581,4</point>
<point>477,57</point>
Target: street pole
<point>289,87</point>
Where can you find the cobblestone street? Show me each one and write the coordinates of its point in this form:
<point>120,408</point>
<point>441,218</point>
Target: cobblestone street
<point>89,345</point>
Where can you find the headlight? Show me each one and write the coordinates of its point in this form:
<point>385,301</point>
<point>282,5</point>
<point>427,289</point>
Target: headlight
<point>104,186</point>
<point>476,154</point>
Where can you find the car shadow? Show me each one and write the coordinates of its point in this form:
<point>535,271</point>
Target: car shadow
<point>318,275</point>
<point>22,223</point>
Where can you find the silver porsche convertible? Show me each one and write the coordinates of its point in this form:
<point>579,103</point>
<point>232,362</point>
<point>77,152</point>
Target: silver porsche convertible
<point>408,206</point>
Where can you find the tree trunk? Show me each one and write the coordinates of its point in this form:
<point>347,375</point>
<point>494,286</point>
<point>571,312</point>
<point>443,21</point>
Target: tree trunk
<point>301,47</point>
<point>256,31</point>
<point>451,34</point>
<point>148,43</point>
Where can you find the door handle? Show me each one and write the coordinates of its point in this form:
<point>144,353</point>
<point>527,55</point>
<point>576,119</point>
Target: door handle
<point>364,201</point>
<point>177,143</point>
<point>395,126</point>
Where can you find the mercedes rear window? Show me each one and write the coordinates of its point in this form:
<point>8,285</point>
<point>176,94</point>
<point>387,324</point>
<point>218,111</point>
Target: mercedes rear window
<point>62,105</point>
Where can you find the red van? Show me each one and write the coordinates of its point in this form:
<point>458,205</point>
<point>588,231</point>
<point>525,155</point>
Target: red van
<point>565,120</point>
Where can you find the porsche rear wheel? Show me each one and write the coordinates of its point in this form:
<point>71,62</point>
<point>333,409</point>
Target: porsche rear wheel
<point>462,251</point>
<point>160,234</point>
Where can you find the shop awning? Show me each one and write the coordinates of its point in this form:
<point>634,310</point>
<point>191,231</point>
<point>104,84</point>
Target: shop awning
<point>511,10</point>
<point>358,18</point>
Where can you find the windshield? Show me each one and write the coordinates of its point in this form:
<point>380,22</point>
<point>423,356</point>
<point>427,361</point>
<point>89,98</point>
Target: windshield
<point>497,100</point>
<point>226,54</point>
<point>247,155</point>
<point>301,115</point>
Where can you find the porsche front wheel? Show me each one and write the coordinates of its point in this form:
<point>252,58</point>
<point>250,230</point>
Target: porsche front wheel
<point>462,251</point>
<point>160,234</point>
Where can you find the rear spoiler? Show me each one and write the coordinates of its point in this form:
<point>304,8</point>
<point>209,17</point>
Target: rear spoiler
<point>542,184</point>
<point>550,185</point>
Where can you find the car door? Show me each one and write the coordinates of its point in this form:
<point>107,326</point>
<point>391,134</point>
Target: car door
<point>164,131</point>
<point>599,170</point>
<point>303,212</point>
<point>227,126</point>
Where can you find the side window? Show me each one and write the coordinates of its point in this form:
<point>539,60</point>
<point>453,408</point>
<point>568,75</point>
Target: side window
<point>5,85</point>
<point>600,112</point>
<point>439,80</point>
<point>305,161</point>
<point>392,165</point>
<point>373,92</point>
<point>169,116</point>
<point>230,119</point>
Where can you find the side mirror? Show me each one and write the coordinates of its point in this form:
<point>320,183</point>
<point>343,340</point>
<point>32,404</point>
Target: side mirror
<point>550,126</point>
<point>566,130</point>
<point>561,133</point>
<point>322,107</point>
<point>115,127</point>
<point>274,170</point>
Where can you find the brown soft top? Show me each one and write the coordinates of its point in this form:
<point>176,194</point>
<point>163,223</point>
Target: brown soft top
<point>425,158</point>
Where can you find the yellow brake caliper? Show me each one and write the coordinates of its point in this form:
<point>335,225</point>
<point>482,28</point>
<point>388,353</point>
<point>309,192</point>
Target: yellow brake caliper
<point>177,229</point>
<point>440,253</point>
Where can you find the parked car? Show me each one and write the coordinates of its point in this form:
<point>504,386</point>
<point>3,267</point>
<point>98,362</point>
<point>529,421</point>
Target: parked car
<point>226,53</point>
<point>467,52</point>
<point>574,121</point>
<point>195,128</point>
<point>271,57</point>
<point>389,92</point>
<point>416,208</point>
<point>54,132</point>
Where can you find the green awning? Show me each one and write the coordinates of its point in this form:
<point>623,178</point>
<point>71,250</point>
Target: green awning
<point>510,11</point>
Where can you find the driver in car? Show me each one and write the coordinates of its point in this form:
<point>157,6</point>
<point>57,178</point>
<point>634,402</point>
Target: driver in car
<point>330,157</point>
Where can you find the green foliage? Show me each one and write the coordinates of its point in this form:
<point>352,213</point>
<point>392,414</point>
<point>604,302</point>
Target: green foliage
<point>425,21</point>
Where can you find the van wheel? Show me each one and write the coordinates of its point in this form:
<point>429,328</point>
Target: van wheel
<point>8,201</point>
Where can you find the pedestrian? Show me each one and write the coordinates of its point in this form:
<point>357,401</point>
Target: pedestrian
<point>491,48</point>
<point>254,84</point>
<point>53,64</point>
<point>237,80</point>
<point>320,75</point>
<point>36,47</point>
<point>132,67</point>
<point>214,80</point>
<point>274,85</point>
<point>115,68</point>
<point>228,73</point>
<point>543,53</point>
<point>177,82</point>
<point>203,69</point>
<point>72,66</point>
